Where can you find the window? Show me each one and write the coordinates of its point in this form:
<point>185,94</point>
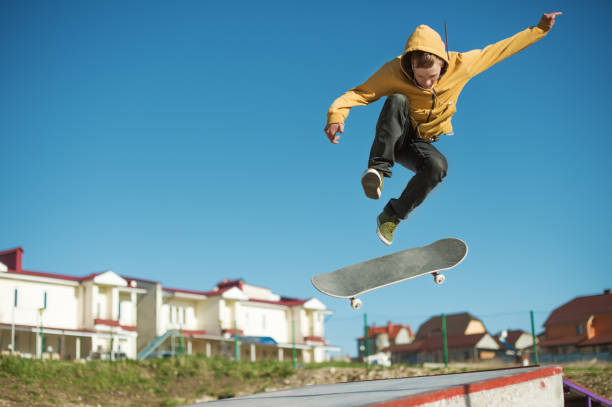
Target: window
<point>579,329</point>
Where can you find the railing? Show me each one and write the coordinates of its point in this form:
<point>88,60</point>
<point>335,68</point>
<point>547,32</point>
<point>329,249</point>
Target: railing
<point>155,344</point>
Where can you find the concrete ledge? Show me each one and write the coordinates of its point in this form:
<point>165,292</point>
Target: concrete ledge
<point>526,387</point>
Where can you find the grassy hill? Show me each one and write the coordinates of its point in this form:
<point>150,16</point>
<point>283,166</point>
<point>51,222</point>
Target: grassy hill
<point>189,379</point>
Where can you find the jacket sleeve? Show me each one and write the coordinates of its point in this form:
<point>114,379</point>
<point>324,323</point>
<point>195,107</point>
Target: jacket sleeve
<point>479,60</point>
<point>370,91</point>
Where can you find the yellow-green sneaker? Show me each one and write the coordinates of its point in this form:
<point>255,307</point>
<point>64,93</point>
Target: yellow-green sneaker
<point>386,226</point>
<point>372,182</point>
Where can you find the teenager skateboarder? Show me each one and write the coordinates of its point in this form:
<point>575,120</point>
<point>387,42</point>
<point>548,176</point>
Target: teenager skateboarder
<point>422,87</point>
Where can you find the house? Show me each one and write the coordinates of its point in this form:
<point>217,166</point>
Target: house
<point>381,337</point>
<point>582,325</point>
<point>53,315</point>
<point>515,344</point>
<point>103,315</point>
<point>265,325</point>
<point>467,340</point>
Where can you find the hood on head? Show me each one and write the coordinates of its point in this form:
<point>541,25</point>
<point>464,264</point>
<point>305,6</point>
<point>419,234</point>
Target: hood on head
<point>424,38</point>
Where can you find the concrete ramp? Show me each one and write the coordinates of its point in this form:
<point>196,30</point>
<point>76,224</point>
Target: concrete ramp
<point>525,387</point>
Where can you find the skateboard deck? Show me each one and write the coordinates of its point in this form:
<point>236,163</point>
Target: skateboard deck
<point>356,279</point>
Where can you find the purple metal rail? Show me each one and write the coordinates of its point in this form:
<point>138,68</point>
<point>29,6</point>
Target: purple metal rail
<point>590,395</point>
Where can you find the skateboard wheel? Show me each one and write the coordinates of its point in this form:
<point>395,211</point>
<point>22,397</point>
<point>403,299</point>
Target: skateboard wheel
<point>439,278</point>
<point>356,303</point>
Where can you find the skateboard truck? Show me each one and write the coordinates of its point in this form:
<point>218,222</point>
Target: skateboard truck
<point>438,278</point>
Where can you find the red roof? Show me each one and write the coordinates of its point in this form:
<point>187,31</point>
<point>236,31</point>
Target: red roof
<point>49,275</point>
<point>390,329</point>
<point>216,292</point>
<point>225,284</point>
<point>435,343</point>
<point>581,309</point>
<point>187,332</point>
<point>456,325</point>
<point>231,331</point>
<point>315,339</point>
<point>578,340</point>
<point>12,258</point>
<point>598,340</point>
<point>112,322</point>
<point>566,340</point>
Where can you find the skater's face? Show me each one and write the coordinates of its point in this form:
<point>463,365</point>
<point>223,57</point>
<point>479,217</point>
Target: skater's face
<point>427,77</point>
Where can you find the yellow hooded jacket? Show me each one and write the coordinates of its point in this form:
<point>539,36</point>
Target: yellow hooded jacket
<point>431,110</point>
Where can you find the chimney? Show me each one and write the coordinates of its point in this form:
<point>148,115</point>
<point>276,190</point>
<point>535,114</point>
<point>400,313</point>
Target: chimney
<point>12,258</point>
<point>607,291</point>
<point>389,326</point>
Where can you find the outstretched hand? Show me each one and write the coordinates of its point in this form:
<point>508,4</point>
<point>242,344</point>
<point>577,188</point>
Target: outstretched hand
<point>331,131</point>
<point>548,19</point>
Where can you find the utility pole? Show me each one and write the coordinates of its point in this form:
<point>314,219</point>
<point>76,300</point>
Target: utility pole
<point>535,345</point>
<point>293,350</point>
<point>42,335</point>
<point>444,341</point>
<point>13,325</point>
<point>366,338</point>
<point>181,341</point>
<point>111,343</point>
<point>236,346</point>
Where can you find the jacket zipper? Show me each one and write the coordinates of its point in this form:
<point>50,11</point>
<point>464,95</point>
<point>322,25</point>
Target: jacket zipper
<point>433,104</point>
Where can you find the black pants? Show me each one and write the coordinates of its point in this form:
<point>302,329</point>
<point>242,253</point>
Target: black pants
<point>396,141</point>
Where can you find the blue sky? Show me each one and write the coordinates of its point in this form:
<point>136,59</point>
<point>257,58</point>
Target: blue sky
<point>182,142</point>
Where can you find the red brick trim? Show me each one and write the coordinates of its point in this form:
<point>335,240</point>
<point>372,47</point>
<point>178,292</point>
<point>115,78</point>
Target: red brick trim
<point>463,390</point>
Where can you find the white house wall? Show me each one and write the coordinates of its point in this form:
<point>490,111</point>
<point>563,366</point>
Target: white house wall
<point>303,324</point>
<point>382,341</point>
<point>178,314</point>
<point>114,303</point>
<point>318,326</point>
<point>402,337</point>
<point>208,313</point>
<point>102,303</point>
<point>129,312</point>
<point>257,320</point>
<point>259,293</point>
<point>226,314</point>
<point>88,304</point>
<point>524,341</point>
<point>487,342</point>
<point>61,309</point>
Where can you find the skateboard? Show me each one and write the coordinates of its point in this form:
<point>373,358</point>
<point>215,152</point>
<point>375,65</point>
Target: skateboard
<point>354,280</point>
